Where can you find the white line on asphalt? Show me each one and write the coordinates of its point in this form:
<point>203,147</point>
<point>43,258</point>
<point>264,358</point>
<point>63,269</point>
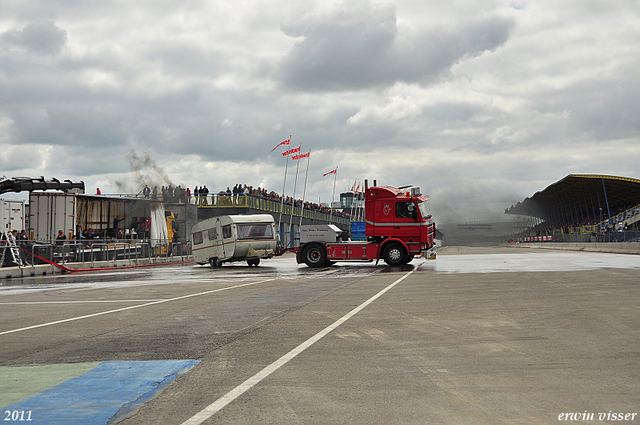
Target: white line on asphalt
<point>80,302</point>
<point>220,403</point>
<point>131,307</point>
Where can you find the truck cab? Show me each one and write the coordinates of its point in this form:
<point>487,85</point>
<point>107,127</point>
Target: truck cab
<point>397,228</point>
<point>394,213</point>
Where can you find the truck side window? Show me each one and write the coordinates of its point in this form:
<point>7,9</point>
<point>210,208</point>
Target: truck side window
<point>226,231</point>
<point>406,210</point>
<point>213,234</point>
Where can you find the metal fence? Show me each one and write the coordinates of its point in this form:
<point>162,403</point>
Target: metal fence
<point>89,255</point>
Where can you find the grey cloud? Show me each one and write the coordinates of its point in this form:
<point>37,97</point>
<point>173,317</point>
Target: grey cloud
<point>150,76</point>
<point>368,51</point>
<point>38,37</point>
<point>604,110</point>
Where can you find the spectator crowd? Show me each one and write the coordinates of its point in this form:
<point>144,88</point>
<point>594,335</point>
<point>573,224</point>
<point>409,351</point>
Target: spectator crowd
<point>181,195</point>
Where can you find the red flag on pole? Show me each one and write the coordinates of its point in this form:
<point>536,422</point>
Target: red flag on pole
<point>300,156</point>
<point>330,172</point>
<point>290,151</point>
<point>285,143</point>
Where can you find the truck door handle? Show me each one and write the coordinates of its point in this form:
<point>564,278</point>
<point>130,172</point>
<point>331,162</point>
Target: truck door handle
<point>397,227</point>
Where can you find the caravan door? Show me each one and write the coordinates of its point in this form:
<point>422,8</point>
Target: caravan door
<point>218,240</point>
<point>213,248</point>
<point>228,242</point>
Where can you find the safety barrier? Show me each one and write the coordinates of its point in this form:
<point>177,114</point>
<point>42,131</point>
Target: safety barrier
<point>43,246</point>
<point>628,237</point>
<point>538,239</point>
<point>98,247</point>
<point>144,248</point>
<point>88,255</point>
<point>178,249</point>
<point>126,252</point>
<point>619,237</point>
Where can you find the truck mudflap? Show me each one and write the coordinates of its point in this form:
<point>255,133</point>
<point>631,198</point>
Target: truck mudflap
<point>429,254</point>
<point>297,252</point>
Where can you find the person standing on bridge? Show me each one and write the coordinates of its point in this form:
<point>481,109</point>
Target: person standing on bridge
<point>204,192</point>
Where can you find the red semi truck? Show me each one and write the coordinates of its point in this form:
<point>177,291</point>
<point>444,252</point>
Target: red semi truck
<point>397,228</point>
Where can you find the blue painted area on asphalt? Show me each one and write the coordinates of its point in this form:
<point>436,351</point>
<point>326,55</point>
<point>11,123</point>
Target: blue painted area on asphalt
<point>101,395</point>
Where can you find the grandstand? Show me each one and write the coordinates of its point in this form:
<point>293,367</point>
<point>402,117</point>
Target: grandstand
<point>583,208</point>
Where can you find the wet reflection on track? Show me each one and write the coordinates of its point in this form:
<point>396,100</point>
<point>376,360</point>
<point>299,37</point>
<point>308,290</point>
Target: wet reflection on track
<point>287,268</point>
<point>512,262</point>
<point>281,268</point>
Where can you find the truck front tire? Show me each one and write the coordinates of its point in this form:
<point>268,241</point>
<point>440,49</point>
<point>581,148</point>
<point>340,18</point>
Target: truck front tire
<point>394,254</point>
<point>314,255</point>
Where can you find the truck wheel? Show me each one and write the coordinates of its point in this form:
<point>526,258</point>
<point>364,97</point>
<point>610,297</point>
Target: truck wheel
<point>394,254</point>
<point>314,255</point>
<point>253,262</point>
<point>408,259</point>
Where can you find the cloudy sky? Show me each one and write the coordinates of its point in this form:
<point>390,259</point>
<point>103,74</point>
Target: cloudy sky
<point>480,103</point>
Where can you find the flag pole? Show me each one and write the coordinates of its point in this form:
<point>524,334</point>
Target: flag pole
<point>355,200</point>
<point>282,198</point>
<point>304,190</point>
<point>333,195</point>
<point>293,200</point>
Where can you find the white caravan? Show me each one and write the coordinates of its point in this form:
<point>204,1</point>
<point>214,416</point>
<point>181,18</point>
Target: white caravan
<point>229,238</point>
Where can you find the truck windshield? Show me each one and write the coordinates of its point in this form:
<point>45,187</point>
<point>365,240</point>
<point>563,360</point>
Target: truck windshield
<point>255,231</point>
<point>423,209</point>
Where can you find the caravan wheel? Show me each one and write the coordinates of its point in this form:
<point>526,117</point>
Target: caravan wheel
<point>253,262</point>
<point>215,263</point>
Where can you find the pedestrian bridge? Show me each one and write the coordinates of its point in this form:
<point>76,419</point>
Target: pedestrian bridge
<point>242,204</point>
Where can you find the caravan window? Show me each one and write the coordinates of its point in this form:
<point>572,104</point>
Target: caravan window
<point>255,231</point>
<point>226,231</point>
<point>197,238</point>
<point>213,234</point>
